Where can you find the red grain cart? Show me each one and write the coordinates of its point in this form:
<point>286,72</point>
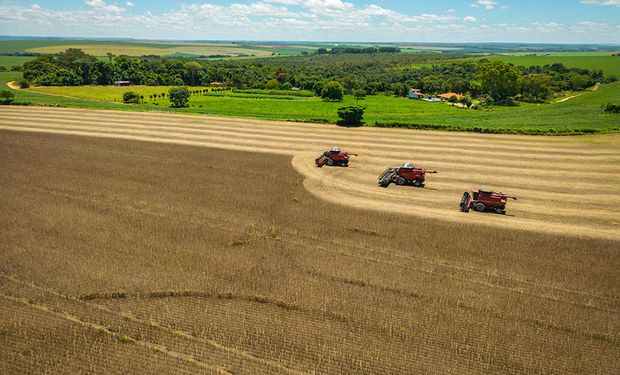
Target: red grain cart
<point>334,157</point>
<point>485,200</point>
<point>407,174</point>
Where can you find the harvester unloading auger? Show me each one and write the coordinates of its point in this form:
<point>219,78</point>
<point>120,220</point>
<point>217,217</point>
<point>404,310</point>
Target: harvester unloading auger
<point>407,174</point>
<point>334,157</point>
<point>485,200</point>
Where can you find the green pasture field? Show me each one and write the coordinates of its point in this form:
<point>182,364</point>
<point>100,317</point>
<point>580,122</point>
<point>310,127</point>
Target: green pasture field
<point>610,65</point>
<point>581,114</point>
<point>9,61</point>
<point>593,53</point>
<point>105,93</point>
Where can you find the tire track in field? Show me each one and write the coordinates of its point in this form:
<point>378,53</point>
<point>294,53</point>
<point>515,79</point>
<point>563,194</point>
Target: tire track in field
<point>566,185</point>
<point>99,328</point>
<point>355,251</point>
<point>80,304</point>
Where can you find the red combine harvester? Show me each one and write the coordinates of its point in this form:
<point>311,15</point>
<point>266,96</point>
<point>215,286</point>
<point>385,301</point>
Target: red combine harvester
<point>407,174</point>
<point>485,200</point>
<point>333,157</point>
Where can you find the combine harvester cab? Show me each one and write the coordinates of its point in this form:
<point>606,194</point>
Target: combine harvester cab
<point>407,174</point>
<point>485,200</point>
<point>334,157</point>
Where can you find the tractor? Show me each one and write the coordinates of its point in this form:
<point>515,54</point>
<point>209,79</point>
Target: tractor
<point>485,200</point>
<point>333,157</point>
<point>407,174</point>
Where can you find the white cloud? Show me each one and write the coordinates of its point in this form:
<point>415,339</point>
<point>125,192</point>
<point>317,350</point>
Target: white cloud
<point>615,3</point>
<point>486,4</point>
<point>130,4</point>
<point>103,6</point>
<point>313,20</point>
<point>590,27</point>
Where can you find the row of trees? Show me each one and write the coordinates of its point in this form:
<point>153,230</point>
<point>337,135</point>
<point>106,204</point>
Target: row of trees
<point>178,96</point>
<point>358,50</point>
<point>393,74</point>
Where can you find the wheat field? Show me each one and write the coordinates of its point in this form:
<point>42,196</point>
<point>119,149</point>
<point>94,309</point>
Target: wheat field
<point>144,243</point>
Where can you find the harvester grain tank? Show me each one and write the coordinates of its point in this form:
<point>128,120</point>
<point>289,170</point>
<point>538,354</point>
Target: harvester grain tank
<point>484,200</point>
<point>334,157</point>
<point>407,174</point>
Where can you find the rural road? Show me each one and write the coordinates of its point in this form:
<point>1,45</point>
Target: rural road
<point>565,185</point>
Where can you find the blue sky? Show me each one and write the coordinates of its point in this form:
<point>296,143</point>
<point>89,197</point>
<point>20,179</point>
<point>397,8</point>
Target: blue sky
<point>540,21</point>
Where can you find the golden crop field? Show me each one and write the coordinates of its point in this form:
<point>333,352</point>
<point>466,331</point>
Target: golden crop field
<point>140,50</point>
<point>103,49</point>
<point>153,243</point>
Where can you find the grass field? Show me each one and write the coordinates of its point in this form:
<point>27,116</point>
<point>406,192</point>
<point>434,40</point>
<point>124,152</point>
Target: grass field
<point>580,114</point>
<point>152,257</point>
<point>108,93</point>
<point>605,62</point>
<point>9,61</point>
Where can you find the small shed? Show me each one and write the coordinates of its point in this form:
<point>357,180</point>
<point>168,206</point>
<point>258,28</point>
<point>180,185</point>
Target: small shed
<point>122,83</point>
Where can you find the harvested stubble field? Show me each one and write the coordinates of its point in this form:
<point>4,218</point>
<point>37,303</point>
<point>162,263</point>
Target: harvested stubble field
<point>121,256</point>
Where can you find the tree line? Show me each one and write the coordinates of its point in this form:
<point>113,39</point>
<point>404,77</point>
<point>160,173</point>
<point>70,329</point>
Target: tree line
<point>357,50</point>
<point>359,74</point>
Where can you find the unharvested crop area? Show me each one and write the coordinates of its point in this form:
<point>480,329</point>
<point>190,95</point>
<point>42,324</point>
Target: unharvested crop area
<point>206,250</point>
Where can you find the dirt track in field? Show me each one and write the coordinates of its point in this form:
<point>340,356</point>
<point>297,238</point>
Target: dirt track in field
<point>565,185</point>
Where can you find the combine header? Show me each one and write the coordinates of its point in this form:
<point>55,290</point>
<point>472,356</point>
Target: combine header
<point>333,157</point>
<point>407,174</point>
<point>485,200</point>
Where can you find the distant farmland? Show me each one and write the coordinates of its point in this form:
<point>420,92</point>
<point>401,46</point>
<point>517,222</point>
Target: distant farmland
<point>605,62</point>
<point>139,48</point>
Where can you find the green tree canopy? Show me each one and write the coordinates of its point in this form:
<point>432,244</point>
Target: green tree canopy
<point>72,56</point>
<point>359,94</point>
<point>179,96</point>
<point>273,84</point>
<point>193,68</point>
<point>499,80</point>
<point>535,88</point>
<point>6,97</point>
<point>131,97</point>
<point>351,115</point>
<point>332,91</point>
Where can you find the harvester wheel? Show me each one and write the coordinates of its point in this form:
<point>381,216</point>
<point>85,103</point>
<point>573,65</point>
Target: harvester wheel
<point>417,183</point>
<point>500,211</point>
<point>330,162</point>
<point>401,181</point>
<point>480,207</point>
<point>345,164</point>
